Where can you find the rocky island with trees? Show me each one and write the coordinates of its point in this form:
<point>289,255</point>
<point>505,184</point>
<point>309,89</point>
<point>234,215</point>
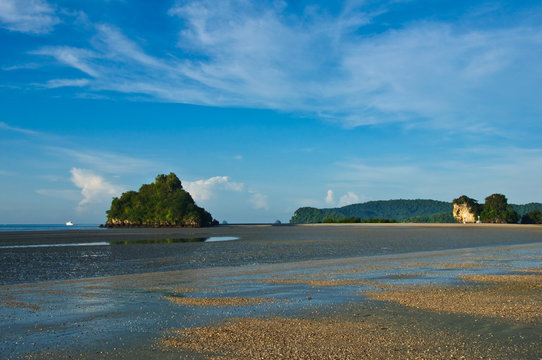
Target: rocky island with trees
<point>163,203</point>
<point>495,210</point>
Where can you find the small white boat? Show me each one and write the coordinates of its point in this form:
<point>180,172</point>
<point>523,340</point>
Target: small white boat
<point>69,223</point>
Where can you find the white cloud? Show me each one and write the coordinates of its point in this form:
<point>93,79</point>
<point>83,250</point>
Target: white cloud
<point>234,186</point>
<point>330,198</point>
<point>94,188</point>
<point>258,200</point>
<point>28,16</point>
<point>202,190</point>
<point>348,199</point>
<point>227,199</point>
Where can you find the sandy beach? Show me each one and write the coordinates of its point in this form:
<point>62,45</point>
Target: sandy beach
<point>457,302</point>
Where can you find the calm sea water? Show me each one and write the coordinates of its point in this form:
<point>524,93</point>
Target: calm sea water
<point>46,227</point>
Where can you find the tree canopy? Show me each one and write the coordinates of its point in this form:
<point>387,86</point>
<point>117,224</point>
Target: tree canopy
<point>532,217</point>
<point>162,203</point>
<point>495,210</point>
<point>399,210</point>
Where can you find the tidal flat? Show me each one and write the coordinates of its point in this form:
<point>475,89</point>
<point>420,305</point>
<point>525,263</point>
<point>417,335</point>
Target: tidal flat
<point>274,292</point>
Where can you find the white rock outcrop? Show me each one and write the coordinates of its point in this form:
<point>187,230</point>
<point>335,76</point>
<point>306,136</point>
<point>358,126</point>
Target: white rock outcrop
<point>463,213</point>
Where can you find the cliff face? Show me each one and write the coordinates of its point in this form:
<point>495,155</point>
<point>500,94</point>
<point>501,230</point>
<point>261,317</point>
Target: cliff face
<point>463,213</point>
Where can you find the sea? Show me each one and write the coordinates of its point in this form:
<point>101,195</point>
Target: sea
<point>46,227</point>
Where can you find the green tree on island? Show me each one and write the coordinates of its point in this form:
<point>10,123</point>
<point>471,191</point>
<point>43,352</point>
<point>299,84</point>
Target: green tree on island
<point>495,210</point>
<point>162,203</point>
<point>532,217</point>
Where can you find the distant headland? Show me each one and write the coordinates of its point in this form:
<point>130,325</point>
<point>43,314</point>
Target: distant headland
<point>163,203</point>
<point>462,210</point>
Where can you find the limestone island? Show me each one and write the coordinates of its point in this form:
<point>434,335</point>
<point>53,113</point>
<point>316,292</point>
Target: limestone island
<point>163,203</point>
<point>495,210</point>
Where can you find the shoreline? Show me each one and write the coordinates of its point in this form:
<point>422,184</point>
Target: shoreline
<point>430,225</point>
<point>101,227</point>
<point>219,228</point>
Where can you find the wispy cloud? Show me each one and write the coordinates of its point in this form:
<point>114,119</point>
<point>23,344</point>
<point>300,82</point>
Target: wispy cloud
<point>94,188</point>
<point>256,54</point>
<point>202,190</point>
<point>348,199</point>
<point>476,171</point>
<point>80,59</point>
<point>103,161</point>
<point>438,73</point>
<point>28,16</point>
<point>62,194</point>
<point>308,202</point>
<point>21,67</point>
<point>56,83</point>
<point>5,126</point>
<point>363,171</point>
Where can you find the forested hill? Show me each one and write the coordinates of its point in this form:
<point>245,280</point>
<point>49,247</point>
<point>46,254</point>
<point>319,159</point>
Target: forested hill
<point>399,210</point>
<point>524,209</point>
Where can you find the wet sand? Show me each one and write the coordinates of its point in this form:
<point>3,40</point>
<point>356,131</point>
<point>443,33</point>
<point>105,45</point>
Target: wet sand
<point>514,297</point>
<point>481,302</point>
<point>256,245</point>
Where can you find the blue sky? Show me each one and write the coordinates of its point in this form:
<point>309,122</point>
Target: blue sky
<point>262,107</point>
